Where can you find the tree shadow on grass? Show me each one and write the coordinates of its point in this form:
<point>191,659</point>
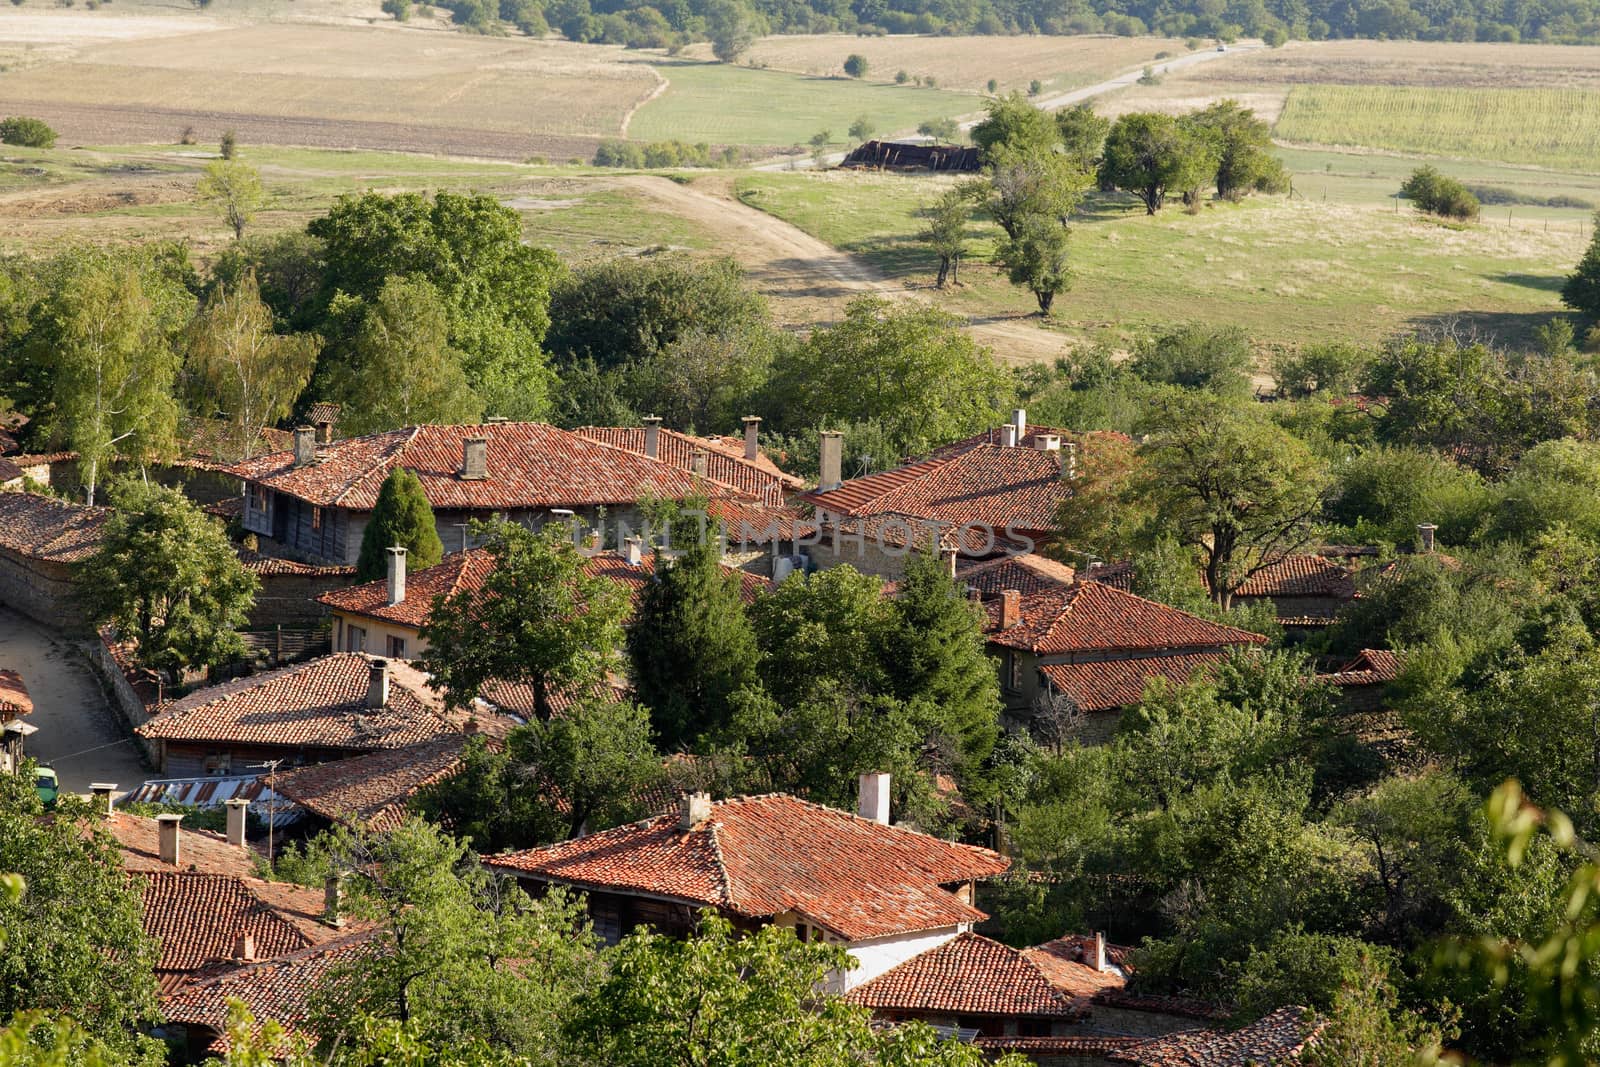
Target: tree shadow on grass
<point>1550,283</point>
<point>1503,329</point>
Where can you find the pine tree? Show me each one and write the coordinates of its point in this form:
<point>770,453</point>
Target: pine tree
<point>938,666</point>
<point>1582,291</point>
<point>402,516</point>
<point>692,646</point>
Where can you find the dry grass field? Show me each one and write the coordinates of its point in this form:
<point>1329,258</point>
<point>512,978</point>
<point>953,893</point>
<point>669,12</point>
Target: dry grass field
<point>963,63</point>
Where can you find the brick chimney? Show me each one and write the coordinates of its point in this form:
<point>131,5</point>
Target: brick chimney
<point>633,550</point>
<point>830,460</point>
<point>752,437</point>
<point>693,809</point>
<point>105,796</point>
<point>1425,532</point>
<point>333,899</point>
<point>697,462</point>
<point>237,807</point>
<point>1008,435</point>
<point>872,796</point>
<point>244,947</point>
<point>167,835</point>
<point>1019,419</point>
<point>652,436</point>
<point>305,446</point>
<point>475,459</point>
<point>1010,609</point>
<point>377,684</point>
<point>396,583</point>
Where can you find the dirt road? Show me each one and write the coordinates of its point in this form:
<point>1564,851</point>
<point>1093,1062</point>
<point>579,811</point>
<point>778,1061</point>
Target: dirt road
<point>809,279</point>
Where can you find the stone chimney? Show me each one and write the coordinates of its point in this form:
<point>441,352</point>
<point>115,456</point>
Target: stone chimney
<point>1425,532</point>
<point>1019,419</point>
<point>1047,442</point>
<point>697,462</point>
<point>693,809</point>
<point>244,947</point>
<point>830,460</point>
<point>167,834</point>
<point>1099,951</point>
<point>1010,609</point>
<point>1069,460</point>
<point>305,446</point>
<point>633,550</point>
<point>652,436</point>
<point>333,899</point>
<point>396,583</point>
<point>1008,435</point>
<point>752,437</point>
<point>237,807</point>
<point>872,796</point>
<point>475,459</point>
<point>377,684</point>
<point>105,796</point>
<point>324,430</point>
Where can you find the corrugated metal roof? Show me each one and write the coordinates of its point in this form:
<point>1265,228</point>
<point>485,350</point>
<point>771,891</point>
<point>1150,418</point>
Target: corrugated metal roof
<point>210,792</point>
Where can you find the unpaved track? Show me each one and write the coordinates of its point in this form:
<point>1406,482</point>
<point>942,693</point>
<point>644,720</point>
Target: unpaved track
<point>802,272</point>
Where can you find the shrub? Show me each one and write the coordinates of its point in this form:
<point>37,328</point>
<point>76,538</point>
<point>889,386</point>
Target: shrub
<point>1274,37</point>
<point>1035,87</point>
<point>618,154</point>
<point>187,136</point>
<point>994,85</point>
<point>30,133</point>
<point>1437,194</point>
<point>901,77</point>
<point>400,9</point>
<point>855,65</point>
<point>230,144</point>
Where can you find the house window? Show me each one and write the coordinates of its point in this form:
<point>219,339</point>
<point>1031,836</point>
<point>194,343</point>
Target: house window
<point>316,517</point>
<point>219,763</point>
<point>1013,670</point>
<point>355,639</point>
<point>396,647</point>
<point>1033,1028</point>
<point>258,498</point>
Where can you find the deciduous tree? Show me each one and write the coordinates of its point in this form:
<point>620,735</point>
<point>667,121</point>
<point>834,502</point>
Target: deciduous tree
<point>946,232</point>
<point>1242,145</point>
<point>1151,155</point>
<point>234,188</point>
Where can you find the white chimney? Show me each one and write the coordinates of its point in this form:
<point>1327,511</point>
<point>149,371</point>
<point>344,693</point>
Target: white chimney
<point>237,806</point>
<point>305,446</point>
<point>1099,951</point>
<point>697,462</point>
<point>333,899</point>
<point>475,459</point>
<point>1069,460</point>
<point>1425,532</point>
<point>633,550</point>
<point>830,459</point>
<point>1008,435</point>
<point>377,684</point>
<point>1047,442</point>
<point>1019,419</point>
<point>947,557</point>
<point>104,794</point>
<point>872,799</point>
<point>752,437</point>
<point>396,584</point>
<point>693,809</point>
<point>244,947</point>
<point>652,436</point>
<point>167,835</point>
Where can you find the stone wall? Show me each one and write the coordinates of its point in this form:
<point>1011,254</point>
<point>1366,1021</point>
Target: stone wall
<point>132,698</point>
<point>291,599</point>
<point>41,590</point>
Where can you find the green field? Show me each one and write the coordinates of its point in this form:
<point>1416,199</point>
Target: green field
<point>1545,127</point>
<point>721,104</point>
<point>1287,271</point>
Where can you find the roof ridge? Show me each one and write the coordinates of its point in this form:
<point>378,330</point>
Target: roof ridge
<point>314,949</point>
<point>729,486</point>
<point>724,875</point>
<point>400,447</point>
<point>851,815</point>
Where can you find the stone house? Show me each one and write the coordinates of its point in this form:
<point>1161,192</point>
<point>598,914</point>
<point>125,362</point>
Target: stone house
<point>42,542</point>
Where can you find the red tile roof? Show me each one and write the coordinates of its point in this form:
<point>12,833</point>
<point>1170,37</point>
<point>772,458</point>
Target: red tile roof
<point>214,440</point>
<point>276,990</point>
<point>1105,685</point>
<point>1276,1040</point>
<point>530,465</point>
<point>198,850</point>
<point>14,698</point>
<point>1374,666</point>
<point>371,791</point>
<point>1030,438</point>
<point>993,485</point>
<point>1301,576</point>
<point>9,471</point>
<point>272,566</point>
<point>760,479</point>
<point>44,528</point>
<point>516,698</point>
<point>967,975</point>
<point>1067,963</point>
<point>764,855</point>
<point>324,411</point>
<point>1116,575</point>
<point>198,918</point>
<point>1028,574</point>
<point>1094,617</point>
<point>318,704</point>
<point>467,571</point>
<point>755,524</point>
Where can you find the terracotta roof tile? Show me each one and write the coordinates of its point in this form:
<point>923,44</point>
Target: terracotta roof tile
<point>1301,576</point>
<point>14,698</point>
<point>9,471</point>
<point>1105,685</point>
<point>1374,666</point>
<point>759,479</point>
<point>371,791</point>
<point>1094,617</point>
<point>324,411</point>
<point>530,465</point>
<point>1028,574</point>
<point>759,856</point>
<point>44,528</point>
<point>1067,963</point>
<point>967,975</point>
<point>1116,575</point>
<point>198,918</point>
<point>211,440</point>
<point>270,566</point>
<point>1276,1040</point>
<point>277,990</point>
<point>198,850</point>
<point>317,704</point>
<point>756,524</point>
<point>989,484</point>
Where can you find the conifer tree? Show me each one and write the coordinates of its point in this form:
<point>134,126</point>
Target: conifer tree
<point>402,516</point>
<point>692,646</point>
<point>1582,290</point>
